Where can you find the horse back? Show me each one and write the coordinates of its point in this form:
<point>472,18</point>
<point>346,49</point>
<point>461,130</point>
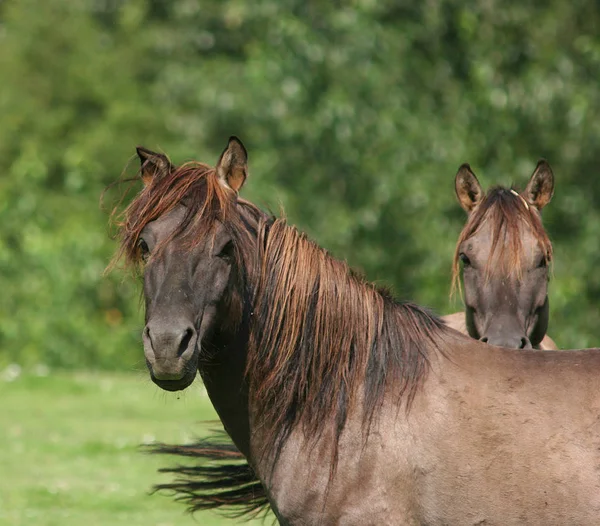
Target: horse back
<point>508,437</point>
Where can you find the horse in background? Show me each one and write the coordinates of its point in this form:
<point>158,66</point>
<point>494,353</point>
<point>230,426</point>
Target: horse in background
<point>505,254</point>
<point>350,407</point>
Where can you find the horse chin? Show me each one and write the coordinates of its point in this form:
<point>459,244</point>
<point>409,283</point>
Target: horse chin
<point>176,385</point>
<point>178,379</point>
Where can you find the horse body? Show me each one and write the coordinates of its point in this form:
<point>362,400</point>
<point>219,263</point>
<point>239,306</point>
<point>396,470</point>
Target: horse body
<point>486,441</point>
<point>351,408</point>
<point>480,445</point>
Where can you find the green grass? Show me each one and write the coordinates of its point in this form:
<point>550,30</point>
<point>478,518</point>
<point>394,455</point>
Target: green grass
<point>69,453</point>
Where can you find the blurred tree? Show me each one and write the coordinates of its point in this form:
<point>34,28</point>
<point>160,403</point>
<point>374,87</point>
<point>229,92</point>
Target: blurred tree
<point>356,115</point>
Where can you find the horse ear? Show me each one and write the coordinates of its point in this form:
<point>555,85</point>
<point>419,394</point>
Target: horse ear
<point>232,168</point>
<point>540,187</point>
<point>468,189</point>
<point>153,164</point>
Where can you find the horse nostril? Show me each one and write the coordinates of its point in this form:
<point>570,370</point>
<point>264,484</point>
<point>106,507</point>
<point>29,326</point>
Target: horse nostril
<point>146,335</point>
<point>484,339</point>
<point>185,341</point>
<point>525,344</point>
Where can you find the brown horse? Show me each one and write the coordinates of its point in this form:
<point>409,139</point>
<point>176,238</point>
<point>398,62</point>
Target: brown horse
<point>505,254</point>
<point>351,408</point>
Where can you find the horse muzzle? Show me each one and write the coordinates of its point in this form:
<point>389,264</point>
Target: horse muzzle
<point>170,351</point>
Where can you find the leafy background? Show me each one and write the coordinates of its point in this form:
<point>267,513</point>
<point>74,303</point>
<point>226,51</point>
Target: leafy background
<point>356,115</point>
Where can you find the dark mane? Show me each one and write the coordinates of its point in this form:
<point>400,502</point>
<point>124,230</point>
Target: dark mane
<point>322,340</point>
<point>507,211</point>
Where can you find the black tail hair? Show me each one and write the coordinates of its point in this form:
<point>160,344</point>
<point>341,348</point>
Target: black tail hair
<point>222,479</point>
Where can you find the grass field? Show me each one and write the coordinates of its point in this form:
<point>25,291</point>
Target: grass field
<point>69,452</point>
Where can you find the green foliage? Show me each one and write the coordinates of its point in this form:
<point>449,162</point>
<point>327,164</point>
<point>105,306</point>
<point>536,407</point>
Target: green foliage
<point>356,116</point>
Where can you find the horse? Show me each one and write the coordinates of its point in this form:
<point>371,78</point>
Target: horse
<point>505,253</point>
<point>350,407</point>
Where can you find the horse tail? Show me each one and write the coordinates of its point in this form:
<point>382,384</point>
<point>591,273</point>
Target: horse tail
<point>221,479</point>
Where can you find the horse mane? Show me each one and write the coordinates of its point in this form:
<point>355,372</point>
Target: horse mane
<point>507,212</point>
<point>324,341</point>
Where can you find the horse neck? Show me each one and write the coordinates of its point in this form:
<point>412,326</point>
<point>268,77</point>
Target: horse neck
<point>223,375</point>
<point>223,369</point>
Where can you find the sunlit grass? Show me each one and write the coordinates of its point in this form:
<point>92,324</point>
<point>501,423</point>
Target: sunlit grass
<point>70,455</point>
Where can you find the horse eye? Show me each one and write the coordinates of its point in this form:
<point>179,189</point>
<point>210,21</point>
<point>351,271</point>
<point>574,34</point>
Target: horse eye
<point>465,260</point>
<point>144,249</point>
<point>226,252</point>
<point>543,262</point>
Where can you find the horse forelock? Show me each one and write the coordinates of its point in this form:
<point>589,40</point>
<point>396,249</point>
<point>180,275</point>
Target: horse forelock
<point>506,212</point>
<point>194,185</point>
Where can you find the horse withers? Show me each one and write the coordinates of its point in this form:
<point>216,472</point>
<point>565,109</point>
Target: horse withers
<point>505,255</point>
<point>350,407</point>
